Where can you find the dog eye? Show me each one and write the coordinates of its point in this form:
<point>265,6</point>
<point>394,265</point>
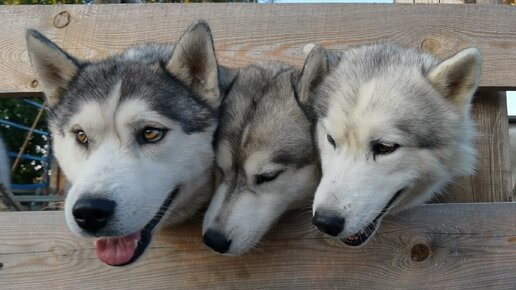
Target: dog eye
<point>151,135</point>
<point>330,139</point>
<point>81,137</point>
<point>267,177</point>
<point>379,148</point>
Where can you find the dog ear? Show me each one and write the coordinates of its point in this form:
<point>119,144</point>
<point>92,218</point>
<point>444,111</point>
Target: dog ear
<point>54,68</point>
<point>194,63</point>
<point>227,77</point>
<point>314,70</point>
<point>457,77</point>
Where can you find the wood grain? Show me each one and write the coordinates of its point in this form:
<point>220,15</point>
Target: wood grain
<point>492,181</point>
<point>246,33</point>
<point>471,246</point>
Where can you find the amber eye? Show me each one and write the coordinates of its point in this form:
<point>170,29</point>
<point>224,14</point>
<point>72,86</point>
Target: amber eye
<point>150,134</point>
<point>81,137</point>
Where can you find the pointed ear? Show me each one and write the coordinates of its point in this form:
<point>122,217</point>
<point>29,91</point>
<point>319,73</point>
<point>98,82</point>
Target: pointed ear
<point>193,62</point>
<point>315,69</point>
<point>54,68</point>
<point>227,77</point>
<point>457,77</point>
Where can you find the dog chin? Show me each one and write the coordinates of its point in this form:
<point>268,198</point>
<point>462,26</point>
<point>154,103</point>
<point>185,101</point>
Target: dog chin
<point>362,236</point>
<point>124,250</point>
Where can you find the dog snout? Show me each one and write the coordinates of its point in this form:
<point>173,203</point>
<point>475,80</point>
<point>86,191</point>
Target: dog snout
<point>328,223</point>
<point>216,240</point>
<point>92,214</point>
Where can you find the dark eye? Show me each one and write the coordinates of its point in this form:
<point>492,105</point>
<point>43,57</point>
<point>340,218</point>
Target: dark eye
<point>150,135</point>
<point>330,139</point>
<point>267,177</point>
<point>81,137</point>
<point>379,148</point>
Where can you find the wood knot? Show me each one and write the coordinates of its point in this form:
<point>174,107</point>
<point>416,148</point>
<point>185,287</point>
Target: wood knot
<point>430,45</point>
<point>420,252</point>
<point>62,19</point>
<point>34,84</point>
<point>1,266</point>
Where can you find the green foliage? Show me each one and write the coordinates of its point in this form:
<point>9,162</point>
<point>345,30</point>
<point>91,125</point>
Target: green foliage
<point>32,2</point>
<point>15,110</point>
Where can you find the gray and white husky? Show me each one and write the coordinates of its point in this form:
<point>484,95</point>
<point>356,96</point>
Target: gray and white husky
<point>264,150</point>
<point>133,133</point>
<point>392,127</point>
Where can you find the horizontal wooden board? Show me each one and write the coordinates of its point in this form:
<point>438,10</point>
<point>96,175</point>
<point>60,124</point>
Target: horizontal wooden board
<point>470,246</point>
<point>246,33</point>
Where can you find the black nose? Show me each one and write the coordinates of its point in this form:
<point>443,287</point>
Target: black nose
<point>328,223</point>
<point>92,214</point>
<point>216,240</point>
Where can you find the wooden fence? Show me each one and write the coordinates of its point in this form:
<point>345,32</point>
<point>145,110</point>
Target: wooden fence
<point>445,245</point>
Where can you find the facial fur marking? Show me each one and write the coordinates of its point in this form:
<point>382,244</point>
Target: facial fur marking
<point>263,139</point>
<point>413,133</point>
<point>106,100</point>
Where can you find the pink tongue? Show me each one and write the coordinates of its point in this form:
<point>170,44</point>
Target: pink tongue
<point>117,251</point>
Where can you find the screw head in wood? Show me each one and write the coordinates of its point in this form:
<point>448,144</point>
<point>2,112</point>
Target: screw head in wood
<point>34,84</point>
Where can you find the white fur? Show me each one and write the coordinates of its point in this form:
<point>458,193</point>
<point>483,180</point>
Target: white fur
<point>356,184</point>
<point>252,209</point>
<point>138,179</point>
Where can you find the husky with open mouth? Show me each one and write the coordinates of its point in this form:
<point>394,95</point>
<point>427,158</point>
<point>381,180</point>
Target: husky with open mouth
<point>264,150</point>
<point>393,128</point>
<point>133,134</point>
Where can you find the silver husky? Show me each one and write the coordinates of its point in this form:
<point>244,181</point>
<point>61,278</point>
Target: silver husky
<point>265,152</point>
<point>133,133</point>
<point>393,128</point>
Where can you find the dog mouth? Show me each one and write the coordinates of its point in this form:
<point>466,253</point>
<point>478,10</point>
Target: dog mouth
<point>365,233</point>
<point>121,251</point>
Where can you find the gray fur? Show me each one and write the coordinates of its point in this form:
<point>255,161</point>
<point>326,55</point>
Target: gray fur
<point>260,116</point>
<point>174,88</point>
<point>389,94</point>
<point>143,70</point>
<point>262,100</point>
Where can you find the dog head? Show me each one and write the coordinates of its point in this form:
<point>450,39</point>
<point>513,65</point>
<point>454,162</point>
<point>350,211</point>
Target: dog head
<point>133,134</point>
<point>393,127</point>
<point>265,153</point>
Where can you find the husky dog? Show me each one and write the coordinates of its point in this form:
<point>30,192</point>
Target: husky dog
<point>134,134</point>
<point>265,152</point>
<point>392,128</point>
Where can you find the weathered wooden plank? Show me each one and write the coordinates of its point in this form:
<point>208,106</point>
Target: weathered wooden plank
<point>492,181</point>
<point>450,1</point>
<point>246,33</point>
<point>470,246</point>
